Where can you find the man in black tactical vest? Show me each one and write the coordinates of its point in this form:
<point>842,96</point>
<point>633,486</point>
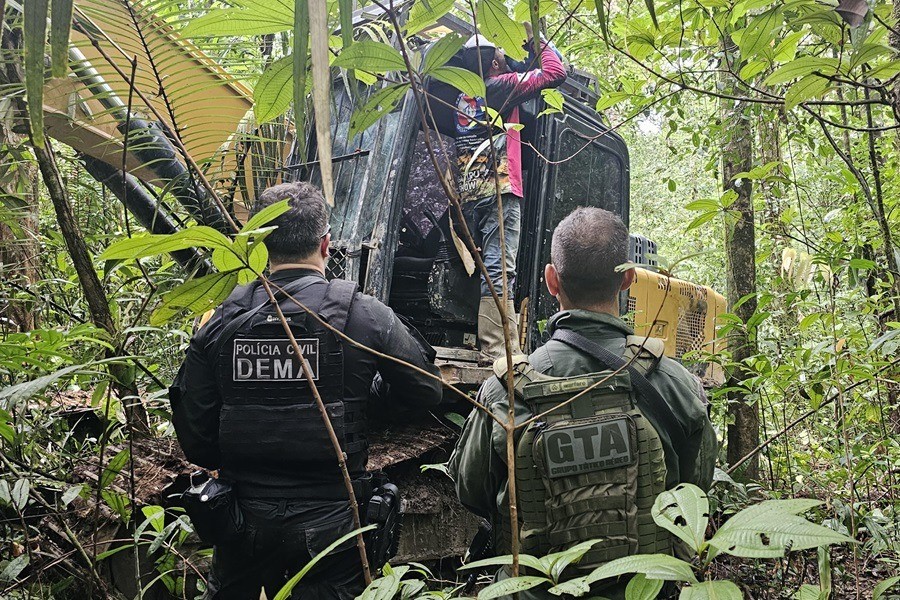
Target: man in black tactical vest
<point>607,445</point>
<point>241,405</point>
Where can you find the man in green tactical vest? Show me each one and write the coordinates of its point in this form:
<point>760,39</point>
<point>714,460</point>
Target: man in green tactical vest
<point>607,421</point>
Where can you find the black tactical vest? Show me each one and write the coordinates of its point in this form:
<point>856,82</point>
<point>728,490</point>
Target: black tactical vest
<point>269,422</point>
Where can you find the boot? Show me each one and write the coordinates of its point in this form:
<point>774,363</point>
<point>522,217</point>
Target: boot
<point>490,330</point>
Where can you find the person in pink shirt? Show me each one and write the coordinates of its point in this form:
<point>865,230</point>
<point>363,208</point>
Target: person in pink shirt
<point>485,175</point>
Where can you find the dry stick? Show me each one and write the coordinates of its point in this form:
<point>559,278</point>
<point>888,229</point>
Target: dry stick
<point>55,512</point>
<point>805,416</point>
<point>335,443</point>
<point>509,427</point>
<point>701,91</point>
<point>348,483</point>
<point>340,334</point>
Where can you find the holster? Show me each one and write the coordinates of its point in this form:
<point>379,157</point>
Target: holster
<point>383,510</point>
<point>213,509</point>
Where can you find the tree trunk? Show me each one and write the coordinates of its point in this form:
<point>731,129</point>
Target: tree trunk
<point>94,294</point>
<point>740,256</point>
<point>894,40</point>
<point>19,248</point>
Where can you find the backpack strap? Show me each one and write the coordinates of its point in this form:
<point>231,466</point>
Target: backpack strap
<point>653,400</point>
<point>335,307</point>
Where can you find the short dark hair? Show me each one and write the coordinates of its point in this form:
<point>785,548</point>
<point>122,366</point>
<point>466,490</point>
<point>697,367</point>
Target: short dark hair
<point>587,247</point>
<point>301,228</point>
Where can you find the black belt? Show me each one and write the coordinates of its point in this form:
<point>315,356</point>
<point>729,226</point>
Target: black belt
<point>362,489</point>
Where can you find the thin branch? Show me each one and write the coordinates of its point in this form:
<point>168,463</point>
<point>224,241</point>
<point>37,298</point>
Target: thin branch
<point>805,416</point>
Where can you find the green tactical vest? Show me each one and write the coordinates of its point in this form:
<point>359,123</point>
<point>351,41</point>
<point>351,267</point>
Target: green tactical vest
<point>592,468</point>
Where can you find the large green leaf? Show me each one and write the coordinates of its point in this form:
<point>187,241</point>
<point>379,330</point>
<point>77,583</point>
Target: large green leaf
<point>249,261</point>
<point>603,18</point>
<point>442,51</point>
<point>281,10</point>
<point>285,592</point>
<point>240,22</point>
<point>811,86</point>
<point>113,467</point>
<point>759,33</point>
<point>867,53</point>
<point>768,529</point>
<point>654,566</point>
<point>712,590</point>
<point>808,591</point>
<point>35,31</point>
<point>22,391</point>
<point>510,586</point>
<point>684,511</point>
<point>526,560</point>
<point>381,102</point>
<point>425,13</point>
<point>60,26</point>
<point>195,296</point>
<point>642,588</point>
<point>345,11</point>
<point>800,67</point>
<point>234,257</point>
<point>786,49</point>
<point>13,568</point>
<point>556,563</point>
<point>651,8</point>
<point>497,26</point>
<point>275,90</point>
<point>462,79</point>
<point>266,216</point>
<point>199,236</point>
<point>386,588</point>
<point>884,586</point>
<point>368,55</point>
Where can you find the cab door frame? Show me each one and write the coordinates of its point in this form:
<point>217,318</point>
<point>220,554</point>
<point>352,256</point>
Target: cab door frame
<point>543,195</point>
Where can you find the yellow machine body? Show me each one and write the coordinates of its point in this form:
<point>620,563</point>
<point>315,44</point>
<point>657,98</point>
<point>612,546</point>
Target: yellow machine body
<point>680,313</point>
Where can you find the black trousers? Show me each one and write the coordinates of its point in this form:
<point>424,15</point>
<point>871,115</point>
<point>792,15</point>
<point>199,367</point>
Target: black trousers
<point>280,538</point>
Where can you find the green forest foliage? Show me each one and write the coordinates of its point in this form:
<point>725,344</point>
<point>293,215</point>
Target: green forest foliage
<point>818,91</point>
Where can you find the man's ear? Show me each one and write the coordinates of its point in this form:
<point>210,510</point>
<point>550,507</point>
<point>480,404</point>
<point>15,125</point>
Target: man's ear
<point>628,279</point>
<point>551,278</point>
<point>323,247</point>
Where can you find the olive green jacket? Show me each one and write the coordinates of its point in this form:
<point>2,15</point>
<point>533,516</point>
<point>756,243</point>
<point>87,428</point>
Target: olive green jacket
<point>478,464</point>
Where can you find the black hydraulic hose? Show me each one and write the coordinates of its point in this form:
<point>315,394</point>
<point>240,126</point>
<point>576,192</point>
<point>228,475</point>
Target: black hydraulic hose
<point>143,206</point>
<point>151,144</point>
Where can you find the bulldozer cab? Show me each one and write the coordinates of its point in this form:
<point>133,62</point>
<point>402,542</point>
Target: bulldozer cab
<point>391,222</point>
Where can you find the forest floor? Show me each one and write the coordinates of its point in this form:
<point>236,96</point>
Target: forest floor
<point>159,465</point>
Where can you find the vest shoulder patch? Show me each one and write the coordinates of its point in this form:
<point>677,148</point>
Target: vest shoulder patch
<point>649,347</point>
<point>518,362</point>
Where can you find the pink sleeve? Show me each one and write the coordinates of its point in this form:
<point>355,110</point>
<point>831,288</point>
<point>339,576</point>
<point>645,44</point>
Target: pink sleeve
<point>511,89</point>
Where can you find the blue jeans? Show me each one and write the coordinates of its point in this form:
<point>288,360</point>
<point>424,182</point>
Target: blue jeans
<point>484,225</point>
